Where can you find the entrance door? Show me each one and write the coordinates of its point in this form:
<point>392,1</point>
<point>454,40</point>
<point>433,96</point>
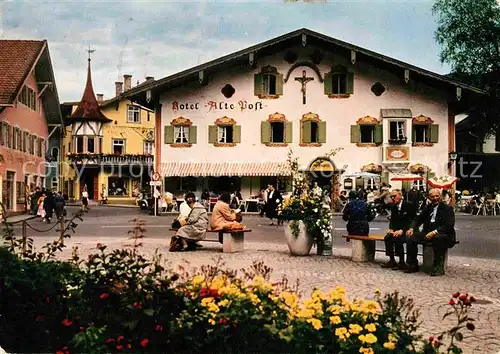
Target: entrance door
<point>89,180</point>
<point>95,191</point>
<point>8,191</point>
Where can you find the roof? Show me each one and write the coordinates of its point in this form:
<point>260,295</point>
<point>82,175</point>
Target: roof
<point>292,38</point>
<point>88,109</point>
<point>197,169</point>
<point>17,60</point>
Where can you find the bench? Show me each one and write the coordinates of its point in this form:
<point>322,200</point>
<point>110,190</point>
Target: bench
<point>363,250</point>
<point>232,241</point>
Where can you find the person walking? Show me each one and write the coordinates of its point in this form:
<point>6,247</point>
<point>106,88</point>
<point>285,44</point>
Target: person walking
<point>358,214</point>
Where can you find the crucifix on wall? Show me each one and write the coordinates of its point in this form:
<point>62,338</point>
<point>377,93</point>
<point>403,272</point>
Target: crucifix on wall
<point>303,80</point>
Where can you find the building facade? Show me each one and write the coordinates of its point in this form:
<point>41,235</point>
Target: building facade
<point>110,151</point>
<point>229,124</point>
<point>29,107</point>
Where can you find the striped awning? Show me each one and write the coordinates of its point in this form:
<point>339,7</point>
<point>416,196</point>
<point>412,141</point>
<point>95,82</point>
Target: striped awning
<point>214,169</point>
<point>396,113</point>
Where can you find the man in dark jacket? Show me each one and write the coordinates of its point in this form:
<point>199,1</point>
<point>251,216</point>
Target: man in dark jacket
<point>274,198</point>
<point>59,205</point>
<point>49,204</point>
<point>438,220</point>
<point>402,216</point>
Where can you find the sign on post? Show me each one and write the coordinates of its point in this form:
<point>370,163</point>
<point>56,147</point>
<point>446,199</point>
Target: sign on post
<point>155,183</point>
<point>155,176</point>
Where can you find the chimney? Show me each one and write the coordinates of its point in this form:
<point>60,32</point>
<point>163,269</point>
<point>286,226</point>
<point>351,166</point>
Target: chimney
<point>149,78</point>
<point>100,97</point>
<point>127,82</point>
<point>119,88</point>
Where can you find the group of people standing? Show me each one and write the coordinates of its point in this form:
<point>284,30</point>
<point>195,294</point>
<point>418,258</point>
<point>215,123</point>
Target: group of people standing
<point>437,221</point>
<point>45,203</point>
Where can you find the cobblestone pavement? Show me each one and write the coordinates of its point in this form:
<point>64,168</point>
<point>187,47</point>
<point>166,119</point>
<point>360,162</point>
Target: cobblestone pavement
<point>479,277</point>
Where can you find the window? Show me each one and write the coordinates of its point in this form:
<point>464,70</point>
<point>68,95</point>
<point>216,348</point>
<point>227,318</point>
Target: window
<point>367,134</point>
<point>28,98</point>
<point>277,132</point>
<point>91,144</point>
<point>26,136</point>
<point>100,145</point>
<point>10,137</point>
<point>339,82</point>
<point>181,135</point>
<point>268,83</point>
<point>149,116</point>
<point>79,144</point>
<point>313,130</point>
<point>148,147</point>
<point>133,114</point>
<point>118,146</point>
<point>397,131</point>
<point>55,154</point>
<point>117,186</point>
<point>424,132</point>
<point>421,134</point>
<point>3,133</point>
<point>225,134</point>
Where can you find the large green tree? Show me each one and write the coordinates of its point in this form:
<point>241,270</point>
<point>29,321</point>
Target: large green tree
<point>469,35</point>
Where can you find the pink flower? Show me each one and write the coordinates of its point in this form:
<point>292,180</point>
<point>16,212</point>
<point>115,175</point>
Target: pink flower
<point>452,302</point>
<point>67,322</point>
<point>144,342</point>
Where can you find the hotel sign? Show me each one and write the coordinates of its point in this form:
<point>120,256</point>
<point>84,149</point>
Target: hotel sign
<point>242,105</point>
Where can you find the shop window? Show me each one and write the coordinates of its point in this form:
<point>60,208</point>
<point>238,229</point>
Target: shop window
<point>133,114</point>
<point>118,146</point>
<point>117,186</point>
<point>313,130</point>
<point>225,132</point>
<point>339,82</point>
<point>276,130</point>
<point>268,83</point>
<point>180,133</point>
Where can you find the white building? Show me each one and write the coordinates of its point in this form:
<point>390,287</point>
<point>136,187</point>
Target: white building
<point>239,115</point>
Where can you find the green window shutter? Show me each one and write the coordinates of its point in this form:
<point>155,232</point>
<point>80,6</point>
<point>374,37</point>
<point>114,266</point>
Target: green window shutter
<point>413,134</point>
<point>212,134</point>
<point>169,134</point>
<point>328,84</point>
<point>434,133</point>
<point>265,132</point>
<point>258,86</point>
<point>322,132</point>
<point>355,134</point>
<point>406,185</point>
<point>279,84</point>
<point>378,135</point>
<point>350,83</point>
<point>306,131</point>
<point>288,132</point>
<point>192,134</point>
<point>236,133</point>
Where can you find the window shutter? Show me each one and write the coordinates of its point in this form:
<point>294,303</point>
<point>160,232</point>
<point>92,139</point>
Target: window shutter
<point>192,134</point>
<point>413,134</point>
<point>378,135</point>
<point>258,86</point>
<point>279,84</point>
<point>237,134</point>
<point>434,133</point>
<point>350,83</point>
<point>355,134</point>
<point>212,134</point>
<point>288,132</point>
<point>328,84</point>
<point>406,185</point>
<point>306,131</point>
<point>265,132</point>
<point>384,178</point>
<point>322,132</point>
<point>169,134</point>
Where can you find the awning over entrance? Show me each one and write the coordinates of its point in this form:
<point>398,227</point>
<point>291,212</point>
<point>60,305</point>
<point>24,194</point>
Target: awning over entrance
<point>215,169</point>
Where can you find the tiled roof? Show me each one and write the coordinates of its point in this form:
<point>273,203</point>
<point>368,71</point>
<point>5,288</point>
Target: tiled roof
<point>16,60</point>
<point>199,169</point>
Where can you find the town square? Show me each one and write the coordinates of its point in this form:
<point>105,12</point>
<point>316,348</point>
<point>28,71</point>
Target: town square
<point>326,182</point>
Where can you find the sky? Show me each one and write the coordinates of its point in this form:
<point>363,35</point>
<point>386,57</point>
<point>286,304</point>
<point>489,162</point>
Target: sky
<point>159,38</point>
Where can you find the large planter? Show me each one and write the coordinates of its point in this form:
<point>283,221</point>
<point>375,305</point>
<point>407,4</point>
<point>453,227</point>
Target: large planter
<point>301,244</point>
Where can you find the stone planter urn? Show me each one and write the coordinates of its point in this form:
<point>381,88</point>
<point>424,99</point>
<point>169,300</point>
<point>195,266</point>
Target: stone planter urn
<point>299,243</point>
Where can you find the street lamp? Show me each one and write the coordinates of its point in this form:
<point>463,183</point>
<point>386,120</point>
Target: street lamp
<point>453,156</point>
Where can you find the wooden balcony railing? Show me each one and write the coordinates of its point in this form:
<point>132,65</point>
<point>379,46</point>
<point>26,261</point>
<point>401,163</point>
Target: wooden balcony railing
<point>113,159</point>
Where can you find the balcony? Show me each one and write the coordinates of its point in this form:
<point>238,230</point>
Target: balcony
<point>111,159</point>
<point>399,141</point>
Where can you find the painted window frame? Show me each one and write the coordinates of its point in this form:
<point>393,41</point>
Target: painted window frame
<point>224,124</point>
<point>134,112</point>
<point>28,98</point>
<point>266,130</point>
<point>114,143</point>
<point>177,126</point>
<point>148,147</point>
<point>306,122</point>
<point>339,72</point>
<point>377,134</point>
<point>262,82</point>
<point>431,129</point>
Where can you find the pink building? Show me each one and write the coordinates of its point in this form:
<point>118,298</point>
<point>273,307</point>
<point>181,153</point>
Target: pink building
<point>29,111</point>
<point>229,123</point>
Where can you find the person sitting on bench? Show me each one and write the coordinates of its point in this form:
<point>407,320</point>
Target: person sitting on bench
<point>223,218</point>
<point>402,215</point>
<point>358,215</point>
<point>193,228</point>
<point>438,220</point>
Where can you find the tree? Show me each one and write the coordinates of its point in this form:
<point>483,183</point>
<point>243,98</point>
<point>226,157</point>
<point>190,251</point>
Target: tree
<point>469,35</point>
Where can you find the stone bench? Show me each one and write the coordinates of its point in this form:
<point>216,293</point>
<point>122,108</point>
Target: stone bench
<point>363,250</point>
<point>232,241</point>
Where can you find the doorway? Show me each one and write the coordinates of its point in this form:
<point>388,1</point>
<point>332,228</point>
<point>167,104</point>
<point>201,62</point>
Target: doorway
<point>89,180</point>
<point>8,191</point>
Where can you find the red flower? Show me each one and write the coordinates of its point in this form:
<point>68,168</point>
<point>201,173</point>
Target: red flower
<point>59,352</point>
<point>435,343</point>
<point>452,302</point>
<point>103,296</point>
<point>39,318</point>
<point>463,297</point>
<point>144,342</point>
<point>47,300</point>
<point>159,328</point>
<point>109,340</point>
<point>67,322</point>
<point>119,339</point>
<point>456,294</point>
<point>137,305</point>
<point>99,245</point>
<point>82,328</point>
<point>119,347</point>
<point>224,321</point>
<point>431,338</point>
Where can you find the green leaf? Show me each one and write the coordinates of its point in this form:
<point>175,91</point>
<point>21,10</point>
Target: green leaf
<point>149,312</point>
<point>130,324</point>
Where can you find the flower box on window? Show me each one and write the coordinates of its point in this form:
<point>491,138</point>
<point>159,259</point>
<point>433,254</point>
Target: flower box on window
<point>399,141</point>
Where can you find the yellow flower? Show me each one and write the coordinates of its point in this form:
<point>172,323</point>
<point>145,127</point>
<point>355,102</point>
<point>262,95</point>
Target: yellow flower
<point>335,319</point>
<point>334,309</point>
<point>355,328</point>
<point>369,306</point>
<point>342,333</point>
<point>371,327</point>
<point>211,321</point>
<point>212,307</point>
<point>223,303</point>
<point>305,313</point>
<point>217,282</point>
<point>198,279</point>
<point>291,300</point>
<point>392,338</point>
<point>317,295</point>
<point>206,301</point>
<point>370,338</point>
<point>254,299</point>
<point>390,345</point>
<point>315,323</point>
<point>366,350</point>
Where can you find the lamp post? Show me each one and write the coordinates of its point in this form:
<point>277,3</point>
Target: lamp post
<point>452,155</point>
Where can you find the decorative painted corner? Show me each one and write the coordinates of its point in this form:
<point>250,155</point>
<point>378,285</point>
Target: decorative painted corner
<point>340,96</point>
<point>181,145</point>
<point>367,145</point>
<point>268,97</point>
<point>224,144</point>
<point>423,144</point>
<point>277,144</point>
<point>311,144</point>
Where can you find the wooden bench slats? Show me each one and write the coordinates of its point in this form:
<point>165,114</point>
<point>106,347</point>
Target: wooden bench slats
<point>229,231</point>
<point>365,238</point>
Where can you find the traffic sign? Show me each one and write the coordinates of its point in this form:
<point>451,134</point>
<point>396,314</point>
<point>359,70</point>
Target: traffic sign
<point>156,176</point>
<point>155,183</point>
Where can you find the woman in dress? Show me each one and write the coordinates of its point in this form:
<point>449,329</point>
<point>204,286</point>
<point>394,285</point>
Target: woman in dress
<point>85,199</point>
<point>41,209</point>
